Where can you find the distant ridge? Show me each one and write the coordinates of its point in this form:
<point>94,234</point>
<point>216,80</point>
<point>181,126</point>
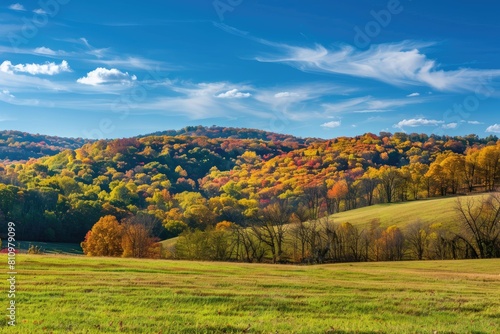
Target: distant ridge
<point>229,132</point>
<point>22,146</point>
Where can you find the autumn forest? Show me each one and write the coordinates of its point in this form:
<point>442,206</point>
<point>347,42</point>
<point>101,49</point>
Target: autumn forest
<point>248,195</point>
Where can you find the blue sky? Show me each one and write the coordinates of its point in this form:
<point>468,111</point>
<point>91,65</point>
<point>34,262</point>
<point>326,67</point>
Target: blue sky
<point>109,69</point>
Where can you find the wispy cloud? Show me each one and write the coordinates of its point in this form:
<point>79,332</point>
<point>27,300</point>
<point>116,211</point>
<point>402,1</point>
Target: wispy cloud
<point>450,126</point>
<point>368,104</point>
<point>413,95</point>
<point>415,122</point>
<point>49,52</point>
<point>6,96</point>
<point>286,95</point>
<point>201,100</point>
<point>17,6</point>
<point>35,69</point>
<point>298,102</point>
<point>131,62</point>
<point>495,128</point>
<point>397,64</point>
<point>233,94</point>
<point>39,11</point>
<point>102,76</point>
<point>332,124</point>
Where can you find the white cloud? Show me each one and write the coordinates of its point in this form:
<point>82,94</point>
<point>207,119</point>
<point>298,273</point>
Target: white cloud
<point>200,101</point>
<point>493,128</point>
<point>39,11</point>
<point>368,104</point>
<point>286,94</point>
<point>85,41</point>
<point>299,102</point>
<point>17,6</point>
<point>233,94</point>
<point>6,96</point>
<point>413,95</point>
<point>128,62</point>
<point>331,124</point>
<point>34,69</point>
<point>397,64</point>
<point>102,75</point>
<point>474,122</point>
<point>414,122</point>
<point>45,51</point>
<point>449,126</point>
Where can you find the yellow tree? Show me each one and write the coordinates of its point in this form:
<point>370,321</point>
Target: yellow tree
<point>104,239</point>
<point>391,243</point>
<point>489,161</point>
<point>390,178</point>
<point>454,171</point>
<point>137,240</point>
<point>471,168</point>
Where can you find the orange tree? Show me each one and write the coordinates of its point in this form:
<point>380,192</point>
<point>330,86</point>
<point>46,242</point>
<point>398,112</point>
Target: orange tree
<point>104,239</point>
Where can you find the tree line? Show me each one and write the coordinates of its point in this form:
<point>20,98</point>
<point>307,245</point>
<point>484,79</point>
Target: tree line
<point>280,236</point>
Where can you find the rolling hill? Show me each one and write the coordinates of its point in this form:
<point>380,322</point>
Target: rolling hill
<point>428,211</point>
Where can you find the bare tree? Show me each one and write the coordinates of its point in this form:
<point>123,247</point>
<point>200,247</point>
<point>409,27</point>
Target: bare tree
<point>480,220</point>
<point>252,249</point>
<point>137,235</point>
<point>481,223</point>
<point>273,226</point>
<point>417,235</point>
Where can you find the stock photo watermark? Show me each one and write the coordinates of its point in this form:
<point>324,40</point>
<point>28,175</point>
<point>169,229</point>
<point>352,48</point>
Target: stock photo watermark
<point>40,18</point>
<point>11,272</point>
<point>123,104</point>
<point>461,112</point>
<point>381,19</point>
<point>223,6</point>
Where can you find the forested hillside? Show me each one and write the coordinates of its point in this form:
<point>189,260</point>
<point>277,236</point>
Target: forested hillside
<point>22,146</point>
<point>200,177</point>
<point>226,132</point>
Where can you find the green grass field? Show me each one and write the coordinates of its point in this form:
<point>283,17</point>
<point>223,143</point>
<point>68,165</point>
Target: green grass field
<point>49,247</point>
<point>75,294</point>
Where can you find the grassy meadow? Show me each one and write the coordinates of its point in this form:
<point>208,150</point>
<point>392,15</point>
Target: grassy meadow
<point>49,247</point>
<point>75,294</point>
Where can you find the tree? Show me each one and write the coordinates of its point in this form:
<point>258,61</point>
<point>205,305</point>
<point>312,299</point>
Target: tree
<point>417,177</point>
<point>489,161</point>
<point>481,222</point>
<point>389,177</point>
<point>391,243</point>
<point>471,171</point>
<point>437,179</point>
<point>137,239</point>
<point>337,193</point>
<point>417,235</point>
<point>369,183</point>
<point>314,195</point>
<point>454,171</point>
<point>272,227</point>
<point>104,239</point>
